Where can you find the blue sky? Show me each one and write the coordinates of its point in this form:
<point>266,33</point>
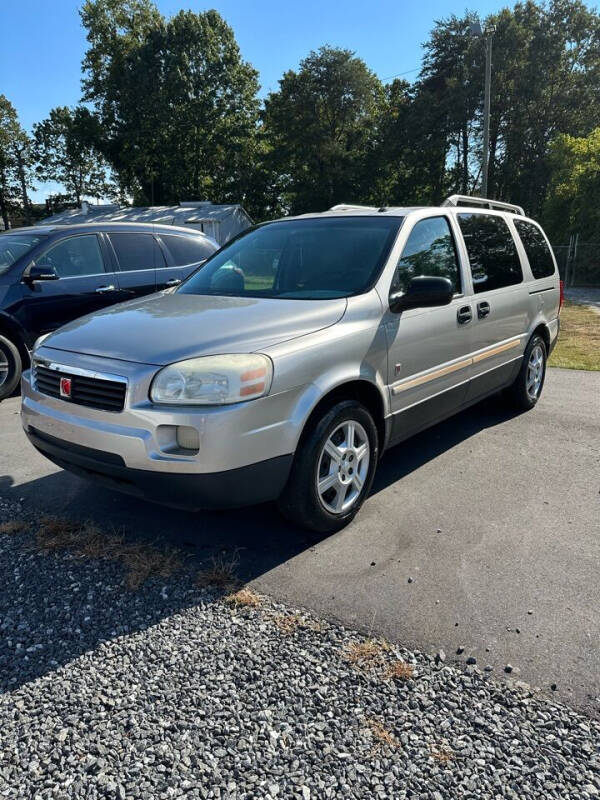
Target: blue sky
<point>43,42</point>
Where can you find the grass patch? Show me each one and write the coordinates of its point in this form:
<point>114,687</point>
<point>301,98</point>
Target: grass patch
<point>86,540</point>
<point>221,573</point>
<point>578,345</point>
<point>381,736</point>
<point>244,598</point>
<point>12,526</point>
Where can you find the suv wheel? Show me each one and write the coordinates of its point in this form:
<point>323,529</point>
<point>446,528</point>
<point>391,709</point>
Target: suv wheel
<point>333,469</point>
<point>10,367</point>
<point>527,388</point>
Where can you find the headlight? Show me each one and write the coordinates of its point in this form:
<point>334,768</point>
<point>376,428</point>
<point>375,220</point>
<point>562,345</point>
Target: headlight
<point>213,380</point>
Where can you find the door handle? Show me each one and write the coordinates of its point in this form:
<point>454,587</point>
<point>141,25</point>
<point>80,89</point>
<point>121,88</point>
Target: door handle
<point>464,315</point>
<point>104,289</point>
<point>483,309</point>
<point>173,282</point>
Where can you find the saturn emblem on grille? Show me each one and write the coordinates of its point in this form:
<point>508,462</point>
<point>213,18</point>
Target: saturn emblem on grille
<point>65,387</point>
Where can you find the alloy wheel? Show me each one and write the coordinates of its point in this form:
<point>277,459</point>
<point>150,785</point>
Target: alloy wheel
<point>343,467</point>
<point>535,372</point>
<point>3,368</point>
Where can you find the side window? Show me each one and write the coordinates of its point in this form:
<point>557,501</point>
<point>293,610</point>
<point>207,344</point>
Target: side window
<point>73,257</point>
<point>136,251</point>
<point>429,250</point>
<point>492,252</point>
<point>187,249</point>
<point>536,247</point>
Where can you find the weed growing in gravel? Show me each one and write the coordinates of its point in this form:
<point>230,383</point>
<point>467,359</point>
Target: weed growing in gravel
<point>244,598</point>
<point>221,574</point>
<point>289,623</point>
<point>381,736</point>
<point>86,540</point>
<point>12,526</point>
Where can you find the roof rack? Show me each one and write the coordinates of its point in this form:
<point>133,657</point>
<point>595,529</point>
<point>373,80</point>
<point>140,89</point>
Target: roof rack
<point>465,200</point>
<point>352,207</point>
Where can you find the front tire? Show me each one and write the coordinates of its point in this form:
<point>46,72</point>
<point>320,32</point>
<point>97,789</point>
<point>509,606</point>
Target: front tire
<point>333,469</point>
<point>11,367</point>
<point>527,388</point>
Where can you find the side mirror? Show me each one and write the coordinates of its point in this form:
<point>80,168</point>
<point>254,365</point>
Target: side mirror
<point>39,273</point>
<point>423,292</point>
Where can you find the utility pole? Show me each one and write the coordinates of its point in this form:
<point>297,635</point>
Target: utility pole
<point>489,32</point>
<point>476,30</point>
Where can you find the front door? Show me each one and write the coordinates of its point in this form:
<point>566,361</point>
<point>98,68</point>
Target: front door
<point>428,363</point>
<point>83,284</point>
<point>500,302</point>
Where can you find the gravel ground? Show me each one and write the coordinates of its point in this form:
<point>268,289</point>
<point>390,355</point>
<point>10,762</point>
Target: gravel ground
<point>170,692</point>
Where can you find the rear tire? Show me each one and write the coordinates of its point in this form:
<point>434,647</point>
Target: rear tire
<point>333,469</point>
<point>527,388</point>
<point>11,367</point>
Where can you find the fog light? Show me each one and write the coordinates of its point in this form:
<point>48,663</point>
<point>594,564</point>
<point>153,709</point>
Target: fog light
<point>188,438</point>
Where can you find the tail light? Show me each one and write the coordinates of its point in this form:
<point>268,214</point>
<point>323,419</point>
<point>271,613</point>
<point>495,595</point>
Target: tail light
<point>562,295</point>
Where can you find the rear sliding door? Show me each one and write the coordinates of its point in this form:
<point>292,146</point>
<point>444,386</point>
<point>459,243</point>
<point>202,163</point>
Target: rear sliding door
<point>500,302</point>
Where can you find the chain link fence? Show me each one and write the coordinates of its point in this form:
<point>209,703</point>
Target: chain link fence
<point>578,263</point>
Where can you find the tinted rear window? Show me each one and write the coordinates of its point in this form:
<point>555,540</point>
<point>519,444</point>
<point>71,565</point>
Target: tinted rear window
<point>136,251</point>
<point>187,249</point>
<point>536,247</point>
<point>492,252</point>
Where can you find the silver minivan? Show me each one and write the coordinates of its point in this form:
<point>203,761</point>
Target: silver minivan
<point>304,348</point>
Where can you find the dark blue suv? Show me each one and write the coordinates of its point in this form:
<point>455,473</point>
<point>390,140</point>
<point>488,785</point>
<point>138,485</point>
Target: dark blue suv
<point>51,275</point>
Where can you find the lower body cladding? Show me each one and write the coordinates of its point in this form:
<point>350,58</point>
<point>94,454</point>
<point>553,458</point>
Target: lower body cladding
<point>193,458</point>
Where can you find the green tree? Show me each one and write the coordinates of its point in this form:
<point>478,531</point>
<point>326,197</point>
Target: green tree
<point>546,70</point>
<point>573,203</point>
<point>15,164</point>
<point>320,127</point>
<point>66,153</point>
<point>176,103</point>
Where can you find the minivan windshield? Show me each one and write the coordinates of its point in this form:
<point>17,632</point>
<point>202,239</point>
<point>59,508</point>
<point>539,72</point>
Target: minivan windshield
<point>301,259</point>
<point>15,245</point>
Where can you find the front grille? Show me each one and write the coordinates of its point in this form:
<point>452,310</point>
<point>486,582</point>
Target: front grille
<point>85,391</point>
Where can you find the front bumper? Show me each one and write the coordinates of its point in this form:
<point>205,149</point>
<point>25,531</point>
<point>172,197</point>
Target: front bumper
<point>243,486</point>
<point>245,451</point>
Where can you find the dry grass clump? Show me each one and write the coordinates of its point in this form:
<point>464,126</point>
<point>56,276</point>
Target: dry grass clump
<point>381,736</point>
<point>244,598</point>
<point>368,654</point>
<point>442,754</point>
<point>86,540</point>
<point>399,670</point>
<point>221,574</point>
<point>376,658</point>
<point>290,623</point>
<point>12,526</point>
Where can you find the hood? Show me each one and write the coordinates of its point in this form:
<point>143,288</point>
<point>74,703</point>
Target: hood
<point>168,327</point>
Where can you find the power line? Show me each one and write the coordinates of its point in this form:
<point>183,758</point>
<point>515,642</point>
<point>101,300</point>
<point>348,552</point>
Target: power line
<point>399,74</point>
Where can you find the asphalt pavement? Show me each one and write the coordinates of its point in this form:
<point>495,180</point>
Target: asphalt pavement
<point>482,535</point>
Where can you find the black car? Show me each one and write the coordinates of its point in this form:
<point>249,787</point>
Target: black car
<point>50,275</point>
